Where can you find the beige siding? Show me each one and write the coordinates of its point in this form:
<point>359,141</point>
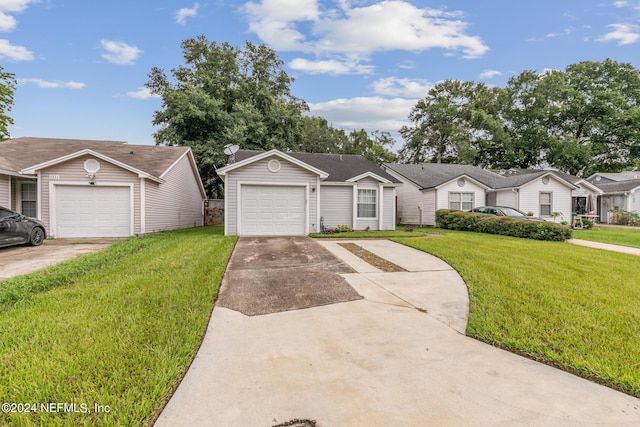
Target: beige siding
<point>336,203</point>
<point>5,191</point>
<point>73,171</point>
<point>176,203</point>
<point>258,173</point>
<point>561,198</point>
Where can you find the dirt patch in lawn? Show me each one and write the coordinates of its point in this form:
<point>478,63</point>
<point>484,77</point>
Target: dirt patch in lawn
<point>372,258</point>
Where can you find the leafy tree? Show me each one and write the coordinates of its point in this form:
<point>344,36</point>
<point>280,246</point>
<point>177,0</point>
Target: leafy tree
<point>446,124</point>
<point>7,88</point>
<point>317,136</point>
<point>225,95</point>
<point>580,120</point>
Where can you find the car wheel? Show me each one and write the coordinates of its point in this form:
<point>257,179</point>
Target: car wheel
<point>36,237</point>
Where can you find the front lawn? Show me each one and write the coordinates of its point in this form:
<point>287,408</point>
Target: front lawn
<point>614,235</point>
<point>374,234</point>
<point>104,339</point>
<point>572,307</point>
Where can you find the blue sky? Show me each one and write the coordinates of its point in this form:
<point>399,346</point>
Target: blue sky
<point>81,65</point>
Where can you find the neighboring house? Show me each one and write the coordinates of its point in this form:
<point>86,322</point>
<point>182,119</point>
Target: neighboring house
<point>619,192</point>
<point>428,187</point>
<point>101,188</point>
<point>276,193</point>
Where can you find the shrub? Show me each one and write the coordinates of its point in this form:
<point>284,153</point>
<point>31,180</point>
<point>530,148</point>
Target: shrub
<point>502,225</point>
<point>344,228</point>
<point>624,218</point>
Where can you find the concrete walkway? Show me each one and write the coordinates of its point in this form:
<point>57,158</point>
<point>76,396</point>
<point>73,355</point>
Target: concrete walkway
<point>606,246</point>
<point>397,357</point>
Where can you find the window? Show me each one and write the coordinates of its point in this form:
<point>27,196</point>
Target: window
<point>545,204</point>
<point>461,201</point>
<point>28,199</point>
<point>367,202</point>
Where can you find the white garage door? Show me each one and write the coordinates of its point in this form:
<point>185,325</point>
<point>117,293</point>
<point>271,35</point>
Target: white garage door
<point>88,211</point>
<point>272,211</point>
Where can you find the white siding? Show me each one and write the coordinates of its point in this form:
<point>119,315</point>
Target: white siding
<point>336,205</point>
<point>634,202</point>
<point>175,203</point>
<point>453,187</point>
<point>389,208</point>
<point>363,223</point>
<point>506,198</point>
<point>5,191</point>
<point>561,198</point>
<point>409,198</point>
<point>258,173</point>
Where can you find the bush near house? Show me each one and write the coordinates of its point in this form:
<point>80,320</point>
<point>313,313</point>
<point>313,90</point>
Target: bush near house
<point>451,219</point>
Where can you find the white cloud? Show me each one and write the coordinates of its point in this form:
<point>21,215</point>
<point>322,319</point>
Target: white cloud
<point>489,74</point>
<point>370,113</point>
<point>142,93</point>
<point>119,53</point>
<point>13,52</point>
<point>7,7</point>
<point>184,13</point>
<point>622,33</point>
<point>565,32</point>
<point>407,88</point>
<point>356,32</point>
<point>274,21</point>
<point>331,66</point>
<point>55,84</point>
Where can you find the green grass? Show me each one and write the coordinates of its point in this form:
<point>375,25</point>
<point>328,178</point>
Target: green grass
<point>614,235</point>
<point>386,234</point>
<point>117,328</point>
<point>572,307</point>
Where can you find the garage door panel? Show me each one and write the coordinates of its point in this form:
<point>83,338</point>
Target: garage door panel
<point>84,211</point>
<point>272,210</point>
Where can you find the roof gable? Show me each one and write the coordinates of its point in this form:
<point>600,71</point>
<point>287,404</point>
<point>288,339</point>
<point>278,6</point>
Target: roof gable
<point>242,160</point>
<point>330,167</point>
<point>32,169</point>
<point>432,175</point>
<point>22,154</point>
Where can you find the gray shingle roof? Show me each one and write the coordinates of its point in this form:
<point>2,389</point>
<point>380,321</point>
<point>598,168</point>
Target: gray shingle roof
<point>21,153</point>
<point>340,167</point>
<point>618,186</point>
<point>431,175</point>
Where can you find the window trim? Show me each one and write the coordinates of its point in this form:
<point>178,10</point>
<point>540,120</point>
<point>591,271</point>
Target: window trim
<point>473,199</point>
<point>550,204</point>
<point>375,204</point>
<point>20,200</point>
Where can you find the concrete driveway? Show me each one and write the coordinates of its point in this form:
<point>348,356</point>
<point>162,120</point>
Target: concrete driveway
<point>396,357</point>
<point>17,260</point>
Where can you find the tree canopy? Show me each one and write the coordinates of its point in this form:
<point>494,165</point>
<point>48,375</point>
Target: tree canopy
<point>230,95</point>
<point>579,120</point>
<point>7,88</point>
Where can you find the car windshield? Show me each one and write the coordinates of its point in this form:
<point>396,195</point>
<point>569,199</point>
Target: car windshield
<point>512,212</point>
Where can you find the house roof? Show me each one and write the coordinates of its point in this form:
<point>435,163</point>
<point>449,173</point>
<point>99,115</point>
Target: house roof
<point>618,186</point>
<point>616,176</point>
<point>432,175</point>
<point>338,167</point>
<point>21,154</point>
